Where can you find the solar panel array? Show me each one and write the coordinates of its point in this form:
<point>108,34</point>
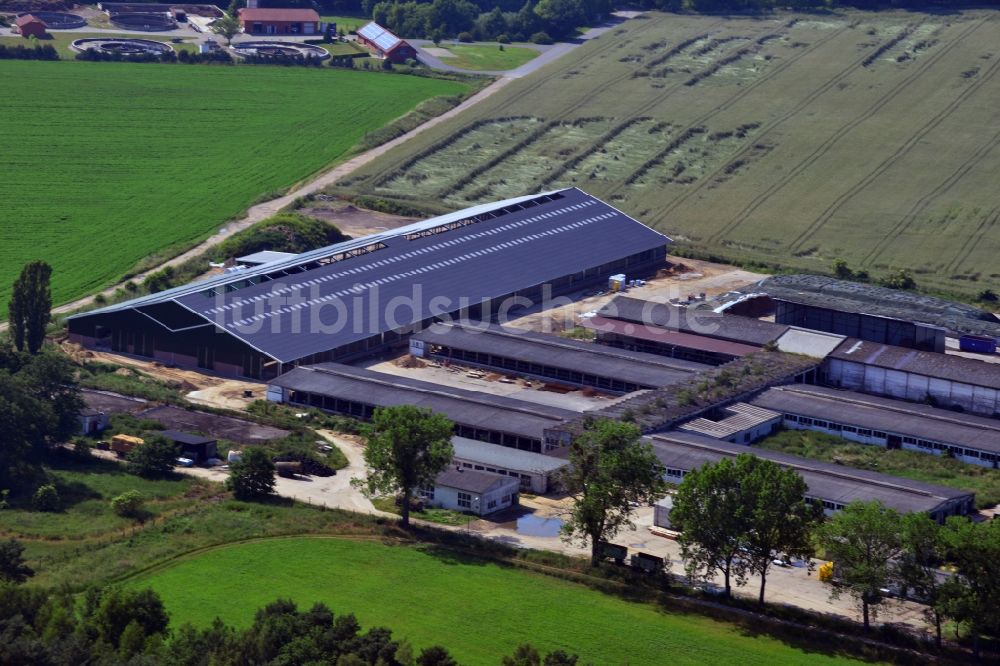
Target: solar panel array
<point>382,38</point>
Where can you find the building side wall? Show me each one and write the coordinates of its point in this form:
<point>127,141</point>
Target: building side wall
<point>883,330</point>
<point>913,387</point>
<point>840,427</point>
<point>448,498</point>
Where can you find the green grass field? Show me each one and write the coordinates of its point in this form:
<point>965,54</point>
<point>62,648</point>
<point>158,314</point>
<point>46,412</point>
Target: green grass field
<point>938,470</point>
<point>478,609</point>
<point>114,162</point>
<point>789,140</point>
<point>346,23</point>
<point>85,492</point>
<point>485,58</point>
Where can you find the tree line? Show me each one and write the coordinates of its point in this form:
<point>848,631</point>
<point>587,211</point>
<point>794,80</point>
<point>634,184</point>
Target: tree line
<point>468,20</point>
<point>115,626</point>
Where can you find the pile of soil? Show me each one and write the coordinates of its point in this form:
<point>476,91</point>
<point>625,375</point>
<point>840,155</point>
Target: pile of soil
<point>410,361</point>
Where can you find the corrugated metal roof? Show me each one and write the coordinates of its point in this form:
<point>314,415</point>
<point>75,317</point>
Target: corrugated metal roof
<point>929,364</point>
<point>264,257</point>
<point>667,337</point>
<point>279,14</point>
<point>648,370</point>
<point>739,417</point>
<point>883,414</point>
<point>699,321</point>
<point>844,296</point>
<point>381,37</point>
<point>328,298</point>
<point>826,481</point>
<point>473,481</point>
<point>471,408</point>
<point>505,456</point>
<point>816,344</point>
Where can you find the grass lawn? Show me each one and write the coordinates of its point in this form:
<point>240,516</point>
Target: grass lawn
<point>125,162</point>
<point>478,609</point>
<point>481,57</point>
<point>431,515</point>
<point>907,464</point>
<point>62,40</point>
<point>342,48</point>
<point>85,492</point>
<point>346,23</point>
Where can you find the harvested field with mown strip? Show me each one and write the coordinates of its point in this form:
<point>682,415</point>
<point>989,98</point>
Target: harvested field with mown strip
<point>110,163</point>
<point>789,140</point>
<point>478,609</point>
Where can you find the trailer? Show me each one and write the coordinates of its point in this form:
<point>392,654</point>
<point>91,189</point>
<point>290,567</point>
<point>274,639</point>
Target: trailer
<point>288,469</point>
<point>613,551</point>
<point>122,445</point>
<point>648,563</point>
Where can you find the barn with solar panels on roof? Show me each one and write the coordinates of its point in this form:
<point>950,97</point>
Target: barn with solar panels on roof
<point>366,295</point>
<point>384,44</point>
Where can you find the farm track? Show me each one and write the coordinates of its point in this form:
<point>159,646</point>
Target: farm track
<point>918,208</point>
<point>883,166</point>
<point>720,108</point>
<point>989,221</point>
<point>822,149</point>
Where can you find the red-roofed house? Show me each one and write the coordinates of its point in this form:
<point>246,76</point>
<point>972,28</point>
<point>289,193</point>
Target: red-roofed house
<point>30,26</point>
<point>384,44</point>
<point>256,21</point>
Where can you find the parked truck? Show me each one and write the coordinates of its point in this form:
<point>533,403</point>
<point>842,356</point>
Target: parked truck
<point>122,445</point>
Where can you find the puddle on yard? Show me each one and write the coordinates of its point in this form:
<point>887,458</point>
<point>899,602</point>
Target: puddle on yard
<point>531,525</point>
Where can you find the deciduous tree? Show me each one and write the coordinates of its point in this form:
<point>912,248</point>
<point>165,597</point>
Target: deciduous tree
<point>780,520</point>
<point>711,515</point>
<point>611,470</point>
<point>863,541</point>
<point>30,307</point>
<point>408,448</point>
<point>924,550</point>
<point>155,457</point>
<point>252,476</point>
<point>227,27</point>
<point>974,549</point>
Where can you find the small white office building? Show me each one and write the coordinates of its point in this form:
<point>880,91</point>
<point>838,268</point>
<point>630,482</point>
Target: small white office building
<point>475,492</point>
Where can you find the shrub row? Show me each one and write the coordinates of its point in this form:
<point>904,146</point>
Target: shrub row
<point>21,52</point>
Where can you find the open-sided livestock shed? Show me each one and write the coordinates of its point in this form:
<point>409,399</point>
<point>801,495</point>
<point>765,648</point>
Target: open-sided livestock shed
<point>357,392</point>
<point>549,358</point>
<point>357,297</point>
<point>834,486</point>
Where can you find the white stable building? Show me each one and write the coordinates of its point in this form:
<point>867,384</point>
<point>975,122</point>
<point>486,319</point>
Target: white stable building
<point>470,491</point>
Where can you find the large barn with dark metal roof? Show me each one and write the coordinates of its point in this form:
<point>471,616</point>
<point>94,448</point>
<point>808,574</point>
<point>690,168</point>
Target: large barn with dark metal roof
<point>357,297</point>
